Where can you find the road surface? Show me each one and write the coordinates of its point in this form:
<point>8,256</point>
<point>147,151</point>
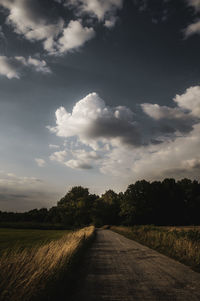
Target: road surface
<point>119,269</point>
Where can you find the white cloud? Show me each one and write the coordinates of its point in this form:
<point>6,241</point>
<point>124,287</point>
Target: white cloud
<point>178,158</point>
<point>12,180</point>
<point>80,158</point>
<point>7,68</point>
<point>12,67</point>
<point>187,104</point>
<point>30,19</point>
<point>38,65</point>
<point>74,36</point>
<point>59,156</point>
<point>92,121</point>
<point>110,23</point>
<point>190,100</point>
<point>40,162</point>
<point>163,141</point>
<point>78,164</point>
<point>97,8</point>
<point>53,146</point>
<point>193,28</point>
<point>180,118</point>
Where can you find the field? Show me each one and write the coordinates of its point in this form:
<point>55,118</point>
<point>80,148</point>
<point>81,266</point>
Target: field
<point>27,238</point>
<point>180,243</point>
<point>39,264</point>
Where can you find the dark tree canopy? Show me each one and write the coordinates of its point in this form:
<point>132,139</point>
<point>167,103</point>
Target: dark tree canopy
<point>166,202</point>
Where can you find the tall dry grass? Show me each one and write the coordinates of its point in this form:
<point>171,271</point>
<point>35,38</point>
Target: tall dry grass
<point>182,244</point>
<point>26,273</point>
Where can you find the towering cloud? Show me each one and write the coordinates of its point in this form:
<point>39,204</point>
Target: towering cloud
<point>110,138</point>
<point>91,120</point>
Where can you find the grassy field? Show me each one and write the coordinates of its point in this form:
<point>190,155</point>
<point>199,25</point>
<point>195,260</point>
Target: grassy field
<point>180,243</point>
<point>44,271</point>
<point>21,238</point>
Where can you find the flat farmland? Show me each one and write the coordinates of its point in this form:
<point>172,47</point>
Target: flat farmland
<point>27,238</point>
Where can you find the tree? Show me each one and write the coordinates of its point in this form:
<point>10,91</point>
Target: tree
<point>77,205</point>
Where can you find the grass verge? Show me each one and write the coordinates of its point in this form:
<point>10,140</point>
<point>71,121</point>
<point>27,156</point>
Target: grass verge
<point>181,244</point>
<point>42,273</point>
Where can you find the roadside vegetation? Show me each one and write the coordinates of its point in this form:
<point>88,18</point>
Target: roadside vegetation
<point>180,243</point>
<point>42,272</point>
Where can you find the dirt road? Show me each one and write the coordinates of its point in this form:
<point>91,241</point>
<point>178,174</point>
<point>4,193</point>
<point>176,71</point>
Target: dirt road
<point>119,269</point>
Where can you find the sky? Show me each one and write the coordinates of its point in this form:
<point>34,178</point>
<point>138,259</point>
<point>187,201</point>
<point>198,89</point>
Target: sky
<point>97,93</point>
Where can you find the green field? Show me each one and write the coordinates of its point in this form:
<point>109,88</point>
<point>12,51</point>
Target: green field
<point>27,238</point>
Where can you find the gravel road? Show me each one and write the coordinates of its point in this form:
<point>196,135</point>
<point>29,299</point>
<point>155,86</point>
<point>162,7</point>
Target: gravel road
<point>119,269</point>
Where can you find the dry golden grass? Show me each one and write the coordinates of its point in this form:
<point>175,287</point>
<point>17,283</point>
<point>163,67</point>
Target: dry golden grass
<point>23,274</point>
<point>181,243</point>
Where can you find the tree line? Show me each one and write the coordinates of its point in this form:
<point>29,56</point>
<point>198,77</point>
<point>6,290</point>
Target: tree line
<point>166,202</point>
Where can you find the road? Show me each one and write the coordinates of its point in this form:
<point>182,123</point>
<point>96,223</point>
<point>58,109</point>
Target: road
<point>119,269</point>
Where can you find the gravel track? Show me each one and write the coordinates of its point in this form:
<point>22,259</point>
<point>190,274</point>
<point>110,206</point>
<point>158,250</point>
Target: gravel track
<point>120,269</point>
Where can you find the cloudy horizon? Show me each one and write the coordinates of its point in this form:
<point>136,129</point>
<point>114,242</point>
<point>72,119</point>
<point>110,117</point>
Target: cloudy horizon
<point>98,94</point>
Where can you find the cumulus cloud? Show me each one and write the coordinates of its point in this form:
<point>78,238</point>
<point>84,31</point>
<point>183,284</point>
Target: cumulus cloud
<point>80,164</point>
<point>180,118</point>
<point>190,100</point>
<point>74,36</point>
<point>83,159</point>
<point>80,158</point>
<point>31,19</point>
<point>98,8</point>
<point>40,162</point>
<point>187,106</point>
<point>173,158</point>
<point>59,156</point>
<point>110,23</point>
<point>193,28</point>
<point>91,120</point>
<point>110,139</point>
<point>12,67</point>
